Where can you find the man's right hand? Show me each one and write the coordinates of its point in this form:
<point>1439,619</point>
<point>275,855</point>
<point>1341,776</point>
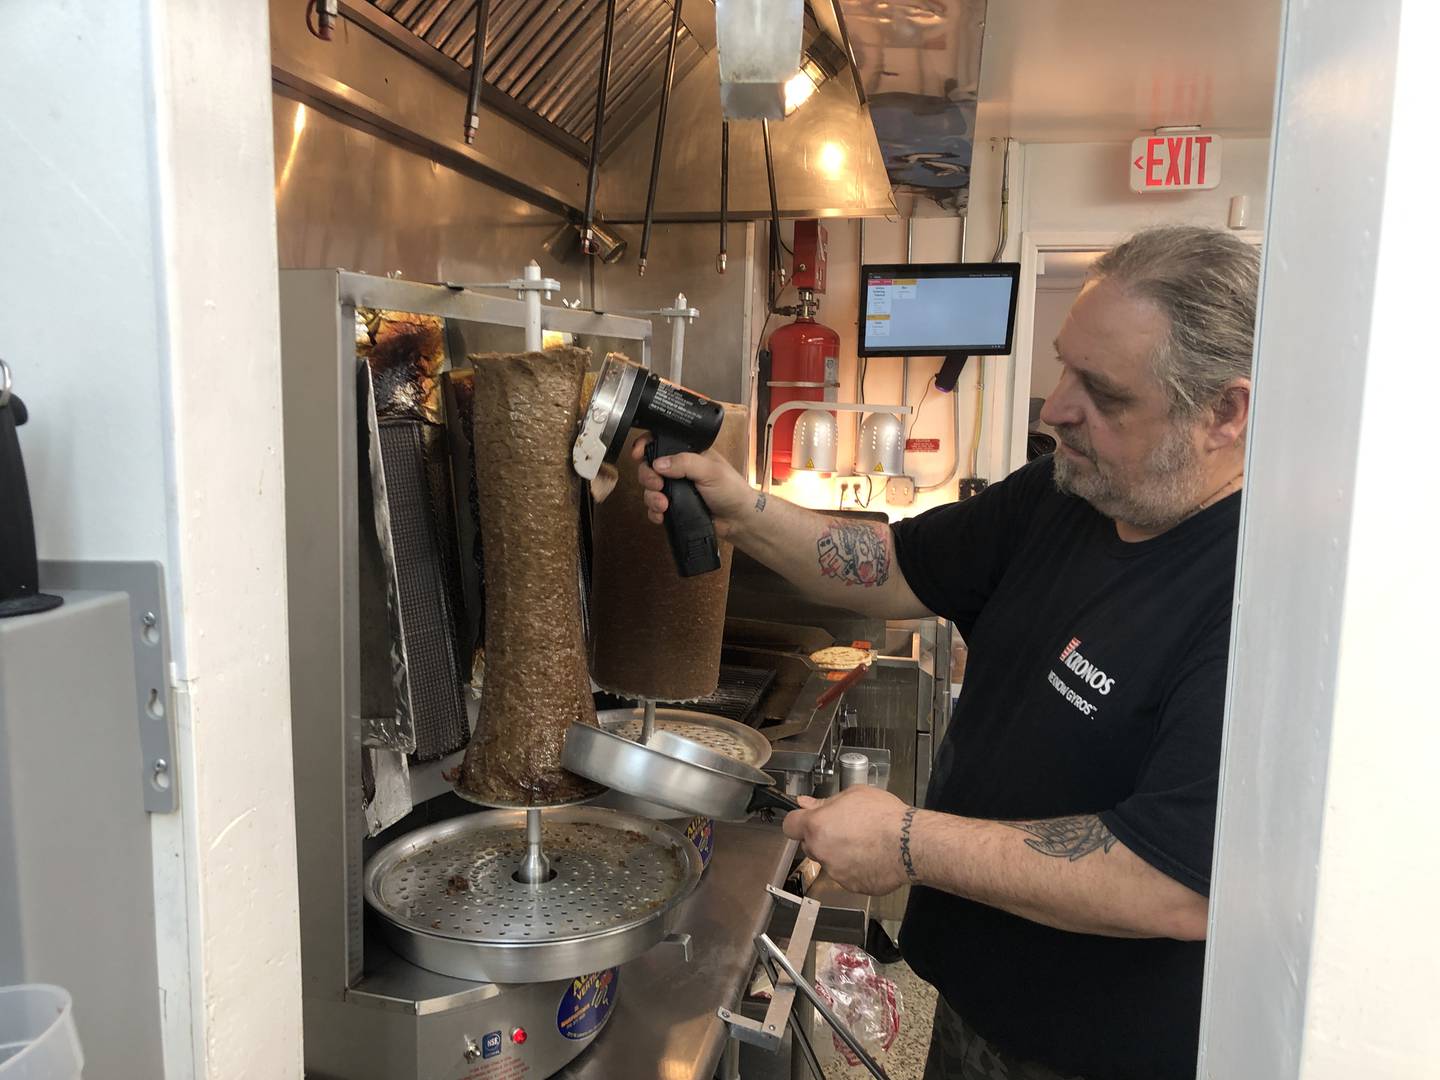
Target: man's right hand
<point>724,490</point>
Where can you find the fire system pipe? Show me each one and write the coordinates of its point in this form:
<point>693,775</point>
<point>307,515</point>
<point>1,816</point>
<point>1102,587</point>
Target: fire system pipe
<point>724,195</point>
<point>477,70</point>
<point>587,227</point>
<point>777,268</point>
<point>660,135</point>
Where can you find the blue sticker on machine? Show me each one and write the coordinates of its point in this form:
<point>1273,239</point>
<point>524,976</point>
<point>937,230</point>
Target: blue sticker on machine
<point>587,1003</point>
<point>490,1045</point>
<point>700,831</point>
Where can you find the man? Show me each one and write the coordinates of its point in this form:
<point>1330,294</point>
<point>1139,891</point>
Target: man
<point>1061,864</point>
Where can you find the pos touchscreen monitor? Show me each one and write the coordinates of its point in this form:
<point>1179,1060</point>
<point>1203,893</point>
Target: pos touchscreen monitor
<point>938,309</point>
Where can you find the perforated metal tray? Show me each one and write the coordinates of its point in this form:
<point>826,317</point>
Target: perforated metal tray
<point>449,903</point>
<point>724,736</point>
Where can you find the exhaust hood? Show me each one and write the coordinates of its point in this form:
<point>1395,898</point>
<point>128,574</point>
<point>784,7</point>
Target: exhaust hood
<point>885,97</point>
<point>919,63</point>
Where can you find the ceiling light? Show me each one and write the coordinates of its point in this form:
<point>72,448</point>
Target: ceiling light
<point>821,60</point>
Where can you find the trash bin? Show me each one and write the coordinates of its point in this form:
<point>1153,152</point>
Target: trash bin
<point>38,1040</point>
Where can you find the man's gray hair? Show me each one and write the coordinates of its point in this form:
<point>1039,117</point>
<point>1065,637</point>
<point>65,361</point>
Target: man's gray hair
<point>1206,283</point>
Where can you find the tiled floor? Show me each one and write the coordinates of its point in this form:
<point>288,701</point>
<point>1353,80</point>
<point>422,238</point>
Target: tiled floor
<point>905,1060</point>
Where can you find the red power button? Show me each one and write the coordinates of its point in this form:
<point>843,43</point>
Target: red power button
<point>518,1036</point>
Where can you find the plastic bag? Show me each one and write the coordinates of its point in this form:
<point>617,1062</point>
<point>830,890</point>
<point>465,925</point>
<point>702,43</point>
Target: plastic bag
<point>866,1001</point>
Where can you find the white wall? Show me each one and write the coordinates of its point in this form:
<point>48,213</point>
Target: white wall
<point>139,270</point>
<point>1086,187</point>
<point>1323,958</point>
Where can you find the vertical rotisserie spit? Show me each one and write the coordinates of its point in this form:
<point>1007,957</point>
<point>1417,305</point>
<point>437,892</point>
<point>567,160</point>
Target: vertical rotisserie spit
<point>526,409</point>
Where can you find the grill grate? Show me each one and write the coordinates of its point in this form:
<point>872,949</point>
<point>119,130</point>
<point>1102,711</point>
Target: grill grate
<point>426,623</point>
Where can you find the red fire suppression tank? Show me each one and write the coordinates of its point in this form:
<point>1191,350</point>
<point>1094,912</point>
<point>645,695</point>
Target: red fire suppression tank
<point>804,355</point>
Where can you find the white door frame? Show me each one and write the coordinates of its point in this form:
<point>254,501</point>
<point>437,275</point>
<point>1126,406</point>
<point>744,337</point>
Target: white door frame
<point>1033,244</point>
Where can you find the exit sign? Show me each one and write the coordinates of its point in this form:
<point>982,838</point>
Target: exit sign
<point>1188,162</point>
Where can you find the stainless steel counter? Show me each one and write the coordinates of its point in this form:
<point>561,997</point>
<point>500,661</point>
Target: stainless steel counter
<point>664,1026</point>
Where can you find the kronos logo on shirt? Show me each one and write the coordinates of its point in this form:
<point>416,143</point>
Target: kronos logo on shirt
<point>1071,657</point>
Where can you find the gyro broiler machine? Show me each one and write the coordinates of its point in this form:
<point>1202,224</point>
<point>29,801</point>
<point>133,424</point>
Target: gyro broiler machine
<point>492,940</point>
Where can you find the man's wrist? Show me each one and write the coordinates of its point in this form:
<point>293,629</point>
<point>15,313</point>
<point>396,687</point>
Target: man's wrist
<point>907,853</point>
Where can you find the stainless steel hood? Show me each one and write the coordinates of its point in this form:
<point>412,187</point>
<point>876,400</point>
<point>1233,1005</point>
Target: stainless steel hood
<point>920,66</point>
<point>544,56</point>
<point>541,73</point>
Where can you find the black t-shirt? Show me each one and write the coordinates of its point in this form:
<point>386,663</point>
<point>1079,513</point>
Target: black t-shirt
<point>1095,684</point>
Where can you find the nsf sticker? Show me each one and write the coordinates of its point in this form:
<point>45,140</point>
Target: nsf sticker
<point>700,831</point>
<point>490,1045</point>
<point>587,1004</point>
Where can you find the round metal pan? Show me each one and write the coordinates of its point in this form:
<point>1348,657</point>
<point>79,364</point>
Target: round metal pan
<point>672,771</point>
<point>448,900</point>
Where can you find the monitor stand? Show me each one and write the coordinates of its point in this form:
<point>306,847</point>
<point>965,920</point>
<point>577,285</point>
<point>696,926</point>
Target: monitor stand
<point>949,373</point>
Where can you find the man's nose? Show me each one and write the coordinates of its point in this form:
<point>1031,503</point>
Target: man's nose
<point>1061,407</point>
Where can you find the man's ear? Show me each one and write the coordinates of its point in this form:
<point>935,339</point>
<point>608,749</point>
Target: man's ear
<point>1229,416</point>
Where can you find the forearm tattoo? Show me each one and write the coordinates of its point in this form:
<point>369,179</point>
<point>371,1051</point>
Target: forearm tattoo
<point>905,823</point>
<point>855,554</point>
<point>1070,838</point>
<point>760,501</point>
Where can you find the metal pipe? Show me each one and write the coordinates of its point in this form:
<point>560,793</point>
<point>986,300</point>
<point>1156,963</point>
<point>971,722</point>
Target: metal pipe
<point>677,338</point>
<point>776,269</point>
<point>849,51</point>
<point>587,239</point>
<point>660,135</point>
<point>534,334</point>
<point>905,360</point>
<point>720,259</point>
<point>477,70</point>
<point>535,867</point>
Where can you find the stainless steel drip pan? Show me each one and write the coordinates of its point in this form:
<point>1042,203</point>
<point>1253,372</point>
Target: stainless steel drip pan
<point>448,900</point>
<point>719,733</point>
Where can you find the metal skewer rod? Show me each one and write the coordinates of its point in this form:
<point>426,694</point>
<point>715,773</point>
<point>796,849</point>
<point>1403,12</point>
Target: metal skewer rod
<point>535,869</point>
<point>722,258</point>
<point>647,724</point>
<point>660,135</point>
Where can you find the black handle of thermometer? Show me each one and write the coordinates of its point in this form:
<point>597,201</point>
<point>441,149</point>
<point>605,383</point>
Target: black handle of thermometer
<point>688,523</point>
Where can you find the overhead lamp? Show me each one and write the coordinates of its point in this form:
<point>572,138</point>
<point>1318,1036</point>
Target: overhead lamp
<point>813,445</point>
<point>822,59</point>
<point>815,434</point>
<point>881,447</point>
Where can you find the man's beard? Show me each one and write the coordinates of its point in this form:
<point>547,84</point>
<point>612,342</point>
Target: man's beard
<point>1166,492</point>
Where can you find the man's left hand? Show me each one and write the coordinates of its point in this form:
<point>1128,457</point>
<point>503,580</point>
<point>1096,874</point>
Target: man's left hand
<point>855,836</point>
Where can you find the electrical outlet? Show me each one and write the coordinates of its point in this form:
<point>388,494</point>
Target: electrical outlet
<point>971,486</point>
<point>900,490</point>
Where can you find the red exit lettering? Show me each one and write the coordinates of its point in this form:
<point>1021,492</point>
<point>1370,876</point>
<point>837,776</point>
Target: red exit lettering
<point>1175,163</point>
